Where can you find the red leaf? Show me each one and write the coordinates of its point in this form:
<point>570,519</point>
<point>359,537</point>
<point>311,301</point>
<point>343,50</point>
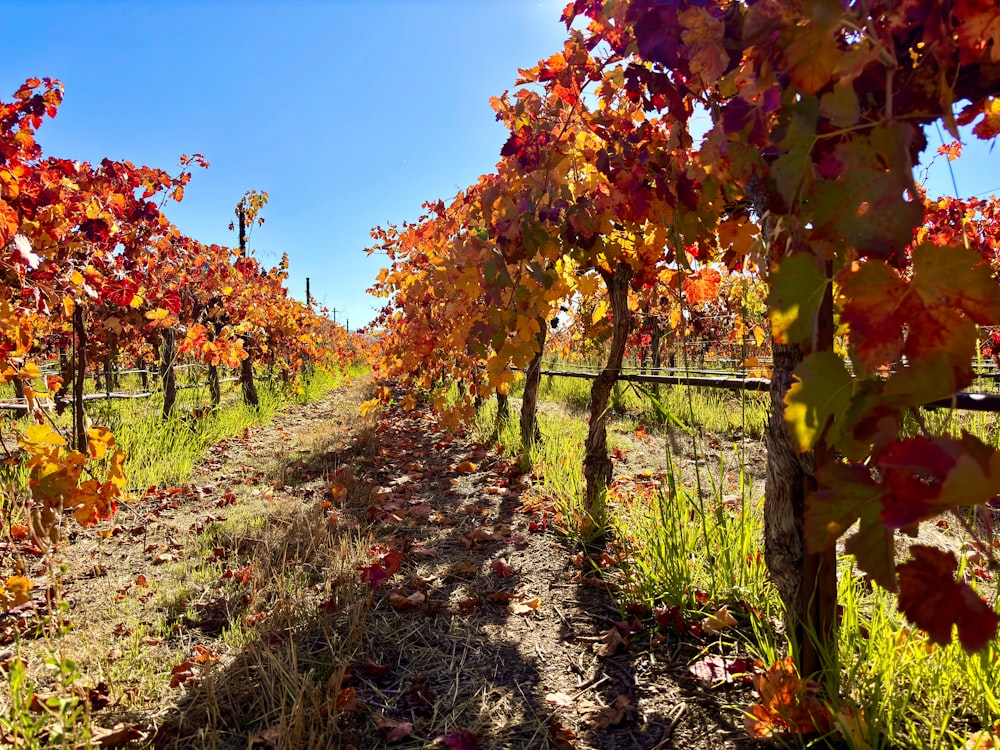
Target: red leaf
<point>934,601</point>
<point>463,739</point>
<point>502,568</point>
<point>714,669</point>
<point>393,730</point>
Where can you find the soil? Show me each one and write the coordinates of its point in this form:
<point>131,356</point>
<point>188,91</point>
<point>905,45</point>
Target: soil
<point>485,630</point>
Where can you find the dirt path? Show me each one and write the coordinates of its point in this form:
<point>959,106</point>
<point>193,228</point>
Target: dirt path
<point>327,582</point>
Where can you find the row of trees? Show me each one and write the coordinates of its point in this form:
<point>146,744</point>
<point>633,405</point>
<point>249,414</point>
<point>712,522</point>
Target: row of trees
<point>798,172</point>
<point>93,271</point>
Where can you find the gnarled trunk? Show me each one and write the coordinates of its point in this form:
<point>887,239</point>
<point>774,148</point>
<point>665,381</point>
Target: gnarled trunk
<point>168,353</point>
<point>597,466</point>
<point>530,433</point>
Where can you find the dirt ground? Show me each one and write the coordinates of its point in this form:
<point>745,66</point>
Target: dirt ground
<point>448,613</point>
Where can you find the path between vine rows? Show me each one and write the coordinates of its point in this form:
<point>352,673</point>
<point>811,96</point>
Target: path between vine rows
<point>485,636</point>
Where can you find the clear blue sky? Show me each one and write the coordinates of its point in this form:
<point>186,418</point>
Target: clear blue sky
<point>349,113</point>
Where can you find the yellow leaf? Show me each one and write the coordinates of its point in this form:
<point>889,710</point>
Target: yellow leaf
<point>367,407</point>
<point>99,441</point>
<point>466,467</point>
<point>524,608</point>
<point>15,592</point>
<point>30,371</point>
<point>76,277</point>
<point>40,434</point>
<point>600,311</point>
<point>157,314</point>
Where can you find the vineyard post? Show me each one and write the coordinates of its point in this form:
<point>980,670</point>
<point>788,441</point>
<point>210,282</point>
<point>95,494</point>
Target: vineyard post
<point>80,374</point>
<point>168,353</point>
<point>597,465</point>
<point>530,433</point>
<point>108,373</point>
<point>140,365</point>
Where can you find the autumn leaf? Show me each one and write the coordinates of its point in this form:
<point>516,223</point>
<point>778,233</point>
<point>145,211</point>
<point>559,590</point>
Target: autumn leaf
<point>119,735</point>
<point>502,568</point>
<point>39,434</point>
<point>461,739</point>
<point>402,601</point>
<point>15,592</point>
<point>718,621</point>
<point>612,715</point>
<point>562,700</point>
<point>611,642</point>
<point>787,704</point>
<point>466,467</point>
<point>525,607</point>
<point>934,601</point>
<point>716,669</point>
<point>392,730</point>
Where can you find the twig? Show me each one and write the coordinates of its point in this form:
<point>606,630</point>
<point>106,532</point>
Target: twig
<point>675,718</point>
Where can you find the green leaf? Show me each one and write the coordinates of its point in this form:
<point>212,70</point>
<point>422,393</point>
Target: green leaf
<point>840,106</point>
<point>797,288</point>
<point>813,403</point>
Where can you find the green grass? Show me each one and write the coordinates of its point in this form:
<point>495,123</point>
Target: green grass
<point>684,544</point>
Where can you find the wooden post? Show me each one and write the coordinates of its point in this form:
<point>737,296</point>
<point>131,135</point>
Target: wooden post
<point>168,353</point>
<point>80,372</point>
<point>109,384</point>
<point>140,365</point>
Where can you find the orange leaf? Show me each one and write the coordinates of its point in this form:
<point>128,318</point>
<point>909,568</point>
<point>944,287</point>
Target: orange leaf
<point>16,591</point>
<point>524,608</point>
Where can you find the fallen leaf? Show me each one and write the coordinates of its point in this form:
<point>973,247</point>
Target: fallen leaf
<point>612,715</point>
<point>717,669</point>
<point>183,672</point>
<point>14,592</point>
<point>463,739</point>
<point>852,726</point>
<point>525,607</point>
<point>562,700</point>
<point>118,736</point>
<point>716,623</point>
<point>502,568</point>
<point>392,730</point>
<point>401,602</point>
<point>268,737</point>
<point>466,467</point>
<point>611,641</point>
<point>562,736</point>
<point>787,704</point>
